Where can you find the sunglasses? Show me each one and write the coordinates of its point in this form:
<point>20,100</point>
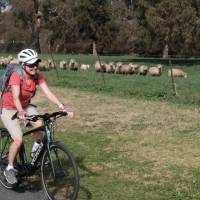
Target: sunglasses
<point>33,65</point>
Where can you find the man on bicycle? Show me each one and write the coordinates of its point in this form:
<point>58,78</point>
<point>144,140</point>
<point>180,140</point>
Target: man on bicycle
<point>17,99</point>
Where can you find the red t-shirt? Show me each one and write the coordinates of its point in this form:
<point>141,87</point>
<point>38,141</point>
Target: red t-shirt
<point>27,89</point>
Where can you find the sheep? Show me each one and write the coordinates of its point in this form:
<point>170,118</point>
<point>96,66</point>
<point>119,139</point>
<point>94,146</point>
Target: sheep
<point>100,67</point>
<point>126,69</point>
<point>143,69</point>
<point>63,64</point>
<point>14,61</point>
<point>110,68</point>
<point>44,65</point>
<point>85,67</point>
<point>97,66</point>
<point>177,73</point>
<point>155,71</point>
<point>134,68</point>
<point>73,65</point>
<point>118,67</point>
<point>5,61</point>
<point>51,64</point>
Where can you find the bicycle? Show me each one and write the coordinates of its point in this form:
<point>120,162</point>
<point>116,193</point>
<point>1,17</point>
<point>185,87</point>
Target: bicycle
<point>58,168</point>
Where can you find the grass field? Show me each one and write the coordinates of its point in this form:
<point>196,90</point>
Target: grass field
<point>132,138</point>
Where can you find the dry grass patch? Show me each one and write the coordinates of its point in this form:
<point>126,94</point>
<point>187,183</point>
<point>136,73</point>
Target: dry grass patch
<point>116,115</point>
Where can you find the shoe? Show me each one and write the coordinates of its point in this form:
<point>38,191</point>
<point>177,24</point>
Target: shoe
<point>10,176</point>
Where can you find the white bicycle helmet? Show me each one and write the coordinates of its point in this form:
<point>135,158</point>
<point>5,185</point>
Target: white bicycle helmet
<point>28,56</point>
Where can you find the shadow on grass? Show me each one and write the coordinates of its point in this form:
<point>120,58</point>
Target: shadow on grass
<point>87,173</point>
<point>30,184</point>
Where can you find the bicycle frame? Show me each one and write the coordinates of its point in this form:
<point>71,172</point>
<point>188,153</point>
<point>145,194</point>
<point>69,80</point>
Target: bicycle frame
<point>30,168</point>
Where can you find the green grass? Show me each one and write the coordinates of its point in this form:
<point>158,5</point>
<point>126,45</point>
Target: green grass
<point>111,174</point>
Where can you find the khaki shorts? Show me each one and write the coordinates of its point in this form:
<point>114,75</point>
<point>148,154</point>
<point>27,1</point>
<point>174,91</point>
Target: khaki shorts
<point>13,126</point>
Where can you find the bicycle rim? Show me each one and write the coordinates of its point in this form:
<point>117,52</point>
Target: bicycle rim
<point>60,179</point>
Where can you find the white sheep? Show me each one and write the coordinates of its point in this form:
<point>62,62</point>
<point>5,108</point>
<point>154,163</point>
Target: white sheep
<point>143,69</point>
<point>155,71</point>
<point>125,69</point>
<point>5,61</point>
<point>110,67</point>
<point>177,73</point>
<point>73,65</point>
<point>118,67</point>
<point>134,68</point>
<point>100,67</point>
<point>63,64</point>
<point>44,65</point>
<point>14,61</point>
<point>85,67</point>
<point>51,64</point>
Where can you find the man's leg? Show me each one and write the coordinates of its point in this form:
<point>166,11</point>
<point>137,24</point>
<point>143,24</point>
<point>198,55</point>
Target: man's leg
<point>13,150</point>
<point>16,134</point>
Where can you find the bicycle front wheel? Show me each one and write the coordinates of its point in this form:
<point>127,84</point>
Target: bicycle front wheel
<point>59,174</point>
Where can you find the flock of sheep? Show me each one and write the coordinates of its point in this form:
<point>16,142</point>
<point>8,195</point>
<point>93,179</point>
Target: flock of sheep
<point>130,68</point>
<point>43,66</point>
<point>73,65</point>
<point>111,67</point>
<point>120,68</point>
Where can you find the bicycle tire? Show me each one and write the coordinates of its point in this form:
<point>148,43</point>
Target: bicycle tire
<point>5,141</point>
<point>65,184</point>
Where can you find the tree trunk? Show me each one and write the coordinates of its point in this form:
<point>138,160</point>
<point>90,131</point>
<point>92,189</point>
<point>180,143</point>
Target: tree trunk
<point>165,53</point>
<point>37,25</point>
<point>94,50</point>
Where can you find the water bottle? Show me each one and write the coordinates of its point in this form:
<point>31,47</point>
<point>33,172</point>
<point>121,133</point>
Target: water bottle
<point>35,148</point>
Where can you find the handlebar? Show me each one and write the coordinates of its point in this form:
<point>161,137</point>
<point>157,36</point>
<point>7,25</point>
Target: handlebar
<point>44,117</point>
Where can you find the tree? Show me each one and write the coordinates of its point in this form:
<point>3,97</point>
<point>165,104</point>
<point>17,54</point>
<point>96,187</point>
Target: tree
<point>28,16</point>
<point>164,23</point>
<point>93,19</point>
<point>59,20</point>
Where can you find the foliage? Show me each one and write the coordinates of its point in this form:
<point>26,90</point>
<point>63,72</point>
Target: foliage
<point>164,22</point>
<point>118,27</point>
<point>24,14</point>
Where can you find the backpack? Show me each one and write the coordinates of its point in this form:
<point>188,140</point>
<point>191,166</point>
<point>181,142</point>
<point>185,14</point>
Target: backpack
<point>8,70</point>
<point>4,79</point>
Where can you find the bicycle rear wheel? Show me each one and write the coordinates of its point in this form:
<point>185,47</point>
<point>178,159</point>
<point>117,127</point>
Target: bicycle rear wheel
<point>59,173</point>
<point>5,141</point>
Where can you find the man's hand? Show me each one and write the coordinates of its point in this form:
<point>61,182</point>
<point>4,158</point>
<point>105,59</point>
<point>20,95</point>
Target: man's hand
<point>67,109</point>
